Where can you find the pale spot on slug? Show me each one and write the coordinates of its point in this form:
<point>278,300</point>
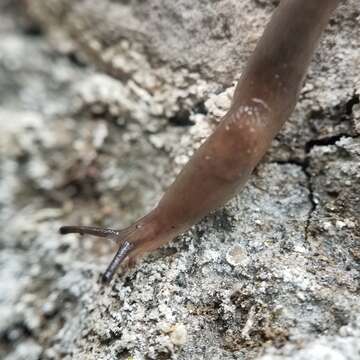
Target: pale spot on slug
<point>253,116</point>
<point>261,102</point>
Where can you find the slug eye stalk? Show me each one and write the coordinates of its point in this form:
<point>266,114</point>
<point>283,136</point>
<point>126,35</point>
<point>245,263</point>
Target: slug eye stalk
<point>122,253</point>
<point>90,230</point>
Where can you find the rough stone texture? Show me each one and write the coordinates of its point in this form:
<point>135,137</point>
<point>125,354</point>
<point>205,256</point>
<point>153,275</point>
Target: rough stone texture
<point>274,275</point>
<point>200,48</point>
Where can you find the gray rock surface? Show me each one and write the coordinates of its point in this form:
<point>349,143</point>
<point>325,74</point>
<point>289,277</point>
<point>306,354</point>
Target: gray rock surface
<point>94,127</point>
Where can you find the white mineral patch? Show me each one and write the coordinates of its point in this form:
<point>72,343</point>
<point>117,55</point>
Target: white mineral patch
<point>219,104</point>
<point>178,335</point>
<point>237,256</point>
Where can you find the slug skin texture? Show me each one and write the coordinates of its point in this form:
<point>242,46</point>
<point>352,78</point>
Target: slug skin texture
<point>264,98</point>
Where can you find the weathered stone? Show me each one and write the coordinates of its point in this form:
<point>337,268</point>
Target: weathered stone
<point>274,275</point>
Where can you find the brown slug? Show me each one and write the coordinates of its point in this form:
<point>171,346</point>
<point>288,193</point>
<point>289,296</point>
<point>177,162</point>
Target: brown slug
<point>264,98</point>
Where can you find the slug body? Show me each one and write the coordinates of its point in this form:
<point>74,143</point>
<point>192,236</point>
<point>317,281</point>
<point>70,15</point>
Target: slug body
<point>264,98</point>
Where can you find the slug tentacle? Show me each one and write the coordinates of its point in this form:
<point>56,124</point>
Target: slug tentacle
<point>91,230</point>
<point>122,253</point>
<point>144,235</point>
<point>121,236</point>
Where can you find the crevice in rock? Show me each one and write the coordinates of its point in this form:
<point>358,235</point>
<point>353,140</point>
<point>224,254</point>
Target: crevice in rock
<point>343,112</point>
<point>181,118</point>
<point>304,165</point>
<point>351,103</point>
<point>305,168</point>
<point>329,140</point>
<point>331,123</point>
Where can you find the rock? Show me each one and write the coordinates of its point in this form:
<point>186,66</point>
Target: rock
<point>94,127</point>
